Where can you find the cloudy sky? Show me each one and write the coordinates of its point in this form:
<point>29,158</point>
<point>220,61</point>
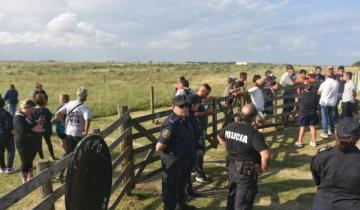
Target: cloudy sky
<point>277,31</point>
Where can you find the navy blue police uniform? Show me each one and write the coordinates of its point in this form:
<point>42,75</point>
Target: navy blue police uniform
<point>243,144</point>
<point>193,99</point>
<point>178,136</point>
<point>336,173</point>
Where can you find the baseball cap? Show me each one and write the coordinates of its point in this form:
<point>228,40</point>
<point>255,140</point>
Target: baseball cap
<point>341,67</point>
<point>180,100</point>
<point>331,67</point>
<point>348,127</point>
<point>231,78</point>
<point>82,91</point>
<point>311,72</point>
<point>194,98</point>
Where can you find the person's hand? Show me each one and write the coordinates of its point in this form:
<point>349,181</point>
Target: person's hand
<point>84,133</point>
<point>209,111</point>
<point>38,129</point>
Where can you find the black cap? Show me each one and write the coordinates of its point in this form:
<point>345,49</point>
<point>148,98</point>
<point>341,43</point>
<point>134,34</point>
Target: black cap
<point>194,98</point>
<point>341,67</point>
<point>348,127</point>
<point>180,100</point>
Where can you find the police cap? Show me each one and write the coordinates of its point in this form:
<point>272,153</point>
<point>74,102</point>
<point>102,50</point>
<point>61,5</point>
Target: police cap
<point>180,100</point>
<point>348,127</point>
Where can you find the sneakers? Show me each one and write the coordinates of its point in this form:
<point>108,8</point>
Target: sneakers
<point>331,133</point>
<point>2,170</point>
<point>324,135</point>
<point>10,170</point>
<point>298,145</point>
<point>313,144</point>
<point>202,179</point>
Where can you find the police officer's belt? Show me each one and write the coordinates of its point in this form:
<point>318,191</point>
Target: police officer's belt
<point>247,168</point>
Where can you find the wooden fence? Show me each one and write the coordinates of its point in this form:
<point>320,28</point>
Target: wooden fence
<point>133,151</point>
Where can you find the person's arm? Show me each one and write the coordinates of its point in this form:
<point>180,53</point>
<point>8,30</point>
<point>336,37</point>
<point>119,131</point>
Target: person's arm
<point>260,146</point>
<point>203,113</point>
<point>6,95</point>
<point>221,141</point>
<point>160,147</point>
<point>315,170</point>
<point>88,118</point>
<point>9,123</point>
<point>221,137</point>
<point>87,126</point>
<point>164,138</point>
<point>265,159</point>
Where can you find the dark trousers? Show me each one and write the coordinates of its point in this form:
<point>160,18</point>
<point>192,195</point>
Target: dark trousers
<point>173,183</point>
<point>71,142</point>
<point>288,108</point>
<point>47,138</point>
<point>188,181</point>
<point>27,155</point>
<point>242,190</point>
<point>7,143</point>
<point>347,109</point>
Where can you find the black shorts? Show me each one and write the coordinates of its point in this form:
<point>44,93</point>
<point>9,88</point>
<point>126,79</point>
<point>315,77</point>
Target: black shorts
<point>308,120</point>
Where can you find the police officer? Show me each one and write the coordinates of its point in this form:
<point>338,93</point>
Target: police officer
<point>175,145</point>
<point>336,170</point>
<point>248,156</point>
<point>194,103</point>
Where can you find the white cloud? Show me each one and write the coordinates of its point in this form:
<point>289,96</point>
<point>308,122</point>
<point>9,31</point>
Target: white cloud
<point>262,5</point>
<point>64,31</point>
<point>297,43</point>
<point>174,40</point>
<point>219,5</point>
<point>65,22</point>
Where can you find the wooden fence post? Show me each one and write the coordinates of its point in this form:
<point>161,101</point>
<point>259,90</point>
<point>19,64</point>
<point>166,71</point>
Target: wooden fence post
<point>275,107</point>
<point>46,188</point>
<point>127,142</point>
<point>215,122</point>
<point>152,106</point>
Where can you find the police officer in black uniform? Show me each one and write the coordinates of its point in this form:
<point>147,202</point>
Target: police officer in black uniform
<point>336,170</point>
<point>248,156</point>
<point>175,145</point>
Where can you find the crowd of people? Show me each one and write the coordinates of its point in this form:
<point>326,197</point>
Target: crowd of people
<point>308,97</point>
<point>26,129</point>
<point>248,155</point>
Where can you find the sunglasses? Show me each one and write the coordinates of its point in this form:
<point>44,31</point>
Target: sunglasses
<point>183,106</point>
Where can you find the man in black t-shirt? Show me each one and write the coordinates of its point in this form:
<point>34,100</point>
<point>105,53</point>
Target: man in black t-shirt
<point>307,114</point>
<point>248,156</point>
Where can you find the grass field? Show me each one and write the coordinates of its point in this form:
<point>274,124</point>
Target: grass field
<point>288,185</point>
<point>113,84</point>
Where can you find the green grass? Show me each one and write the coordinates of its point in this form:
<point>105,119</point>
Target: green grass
<point>113,84</point>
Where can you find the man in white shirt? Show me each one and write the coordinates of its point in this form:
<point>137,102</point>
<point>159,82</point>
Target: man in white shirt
<point>287,81</point>
<point>348,97</point>
<point>256,93</point>
<point>77,117</point>
<point>328,92</point>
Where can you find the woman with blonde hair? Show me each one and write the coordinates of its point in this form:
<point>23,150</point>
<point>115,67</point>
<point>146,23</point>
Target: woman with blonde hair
<point>25,129</point>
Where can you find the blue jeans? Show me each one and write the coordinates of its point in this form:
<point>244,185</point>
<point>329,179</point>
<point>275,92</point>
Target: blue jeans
<point>327,118</point>
<point>200,152</point>
<point>12,109</point>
